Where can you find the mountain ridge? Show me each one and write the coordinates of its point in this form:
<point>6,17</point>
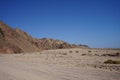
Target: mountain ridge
<point>15,40</point>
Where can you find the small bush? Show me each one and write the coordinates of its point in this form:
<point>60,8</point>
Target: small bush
<point>96,54</point>
<point>70,51</point>
<point>64,53</point>
<point>117,54</point>
<point>112,62</point>
<point>89,51</point>
<point>83,54</point>
<point>77,51</point>
<point>113,55</point>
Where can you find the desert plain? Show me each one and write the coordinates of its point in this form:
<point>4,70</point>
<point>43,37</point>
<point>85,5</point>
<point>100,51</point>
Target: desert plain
<point>61,64</point>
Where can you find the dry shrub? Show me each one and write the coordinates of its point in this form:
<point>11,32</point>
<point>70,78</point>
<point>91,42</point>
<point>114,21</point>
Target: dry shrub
<point>96,54</point>
<point>70,51</point>
<point>109,61</point>
<point>117,54</point>
<point>83,54</point>
<point>64,53</point>
<point>113,55</point>
<point>77,51</point>
<point>89,51</point>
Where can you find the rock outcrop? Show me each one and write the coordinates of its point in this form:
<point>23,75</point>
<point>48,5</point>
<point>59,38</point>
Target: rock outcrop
<point>47,43</point>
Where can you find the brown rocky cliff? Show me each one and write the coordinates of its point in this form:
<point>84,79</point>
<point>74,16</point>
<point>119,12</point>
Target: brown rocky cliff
<point>13,41</point>
<point>48,43</point>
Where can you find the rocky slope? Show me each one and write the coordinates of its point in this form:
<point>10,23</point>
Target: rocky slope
<point>15,40</point>
<point>18,41</point>
<point>47,43</point>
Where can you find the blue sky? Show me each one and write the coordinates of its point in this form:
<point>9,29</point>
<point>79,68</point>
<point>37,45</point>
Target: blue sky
<point>92,22</point>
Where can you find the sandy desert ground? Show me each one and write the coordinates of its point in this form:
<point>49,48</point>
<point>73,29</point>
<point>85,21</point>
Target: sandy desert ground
<point>64,64</point>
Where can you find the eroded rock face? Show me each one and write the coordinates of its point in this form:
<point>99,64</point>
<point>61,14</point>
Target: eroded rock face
<point>15,41</point>
<point>18,41</point>
<point>47,43</point>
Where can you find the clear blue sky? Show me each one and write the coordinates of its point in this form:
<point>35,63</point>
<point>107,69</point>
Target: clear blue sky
<point>92,22</point>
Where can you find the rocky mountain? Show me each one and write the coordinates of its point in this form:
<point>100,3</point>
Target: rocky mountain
<point>18,41</point>
<point>15,40</point>
<point>47,43</point>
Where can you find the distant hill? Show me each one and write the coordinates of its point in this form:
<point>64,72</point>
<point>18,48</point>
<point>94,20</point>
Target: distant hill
<point>18,41</point>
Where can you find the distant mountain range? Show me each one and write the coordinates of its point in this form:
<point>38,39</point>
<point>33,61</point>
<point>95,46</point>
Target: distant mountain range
<point>18,41</point>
